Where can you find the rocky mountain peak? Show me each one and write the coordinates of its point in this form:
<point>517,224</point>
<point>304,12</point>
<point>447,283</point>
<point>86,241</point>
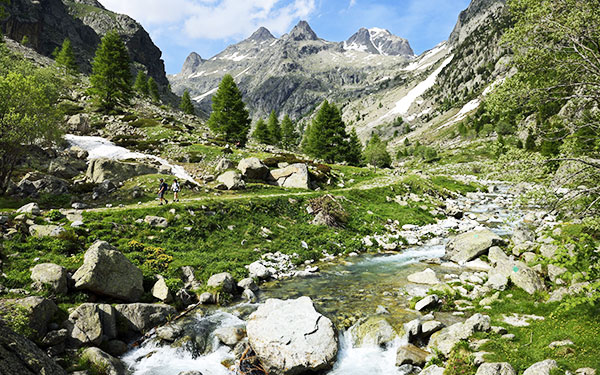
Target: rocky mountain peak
<point>303,31</point>
<point>379,42</point>
<point>261,35</point>
<point>192,62</point>
<point>470,18</point>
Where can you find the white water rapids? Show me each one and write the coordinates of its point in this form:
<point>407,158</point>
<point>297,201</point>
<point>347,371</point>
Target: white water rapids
<point>98,147</point>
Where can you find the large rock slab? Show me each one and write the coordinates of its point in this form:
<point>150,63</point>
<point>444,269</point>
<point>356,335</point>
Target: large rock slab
<point>19,355</point>
<point>39,312</point>
<point>107,271</point>
<point>222,282</point>
<point>502,368</point>
<point>108,169</point>
<point>445,339</point>
<point>50,275</point>
<point>142,317</point>
<point>292,176</point>
<point>291,337</point>
<point>541,368</point>
<point>232,180</point>
<point>92,324</point>
<point>30,208</point>
<point>105,361</point>
<point>518,272</point>
<point>427,277</point>
<point>253,169</point>
<point>410,354</point>
<point>468,246</point>
<point>372,331</point>
<point>41,231</point>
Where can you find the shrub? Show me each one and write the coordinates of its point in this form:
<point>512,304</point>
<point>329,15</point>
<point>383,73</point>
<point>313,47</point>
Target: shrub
<point>17,318</point>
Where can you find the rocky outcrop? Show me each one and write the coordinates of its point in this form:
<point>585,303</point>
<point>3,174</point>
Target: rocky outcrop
<point>291,338</point>
<point>541,368</point>
<point>92,324</point>
<point>468,246</point>
<point>253,169</point>
<point>19,355</point>
<point>47,23</point>
<point>50,275</point>
<point>411,355</point>
<point>231,180</point>
<point>222,282</point>
<point>105,361</point>
<point>30,208</point>
<point>293,176</point>
<point>101,169</point>
<point>141,317</point>
<point>372,331</point>
<point>41,231</point>
<point>445,339</point>
<point>518,272</point>
<point>108,272</point>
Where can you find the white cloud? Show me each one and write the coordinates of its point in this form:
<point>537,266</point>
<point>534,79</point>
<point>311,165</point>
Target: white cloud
<point>352,3</point>
<point>214,19</point>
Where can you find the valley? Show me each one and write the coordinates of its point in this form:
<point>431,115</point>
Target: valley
<point>342,207</point>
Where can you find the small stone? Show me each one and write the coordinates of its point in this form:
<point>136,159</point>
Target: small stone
<point>508,336</point>
<point>427,302</point>
<point>206,298</point>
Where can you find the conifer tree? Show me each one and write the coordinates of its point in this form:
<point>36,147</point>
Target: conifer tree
<point>289,136</point>
<point>327,138</point>
<point>354,151</point>
<point>186,104</point>
<point>153,89</point>
<point>65,58</point>
<point>229,116</point>
<point>274,129</point>
<point>111,77</point>
<point>261,132</point>
<point>376,154</point>
<point>141,84</point>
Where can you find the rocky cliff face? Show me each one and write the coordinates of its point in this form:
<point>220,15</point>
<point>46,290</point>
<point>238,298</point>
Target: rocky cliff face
<point>47,23</point>
<point>294,73</point>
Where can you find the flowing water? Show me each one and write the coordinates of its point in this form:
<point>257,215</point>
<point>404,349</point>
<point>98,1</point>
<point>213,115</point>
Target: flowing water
<point>344,291</point>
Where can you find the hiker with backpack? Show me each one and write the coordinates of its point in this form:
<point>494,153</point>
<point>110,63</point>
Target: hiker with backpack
<point>162,189</point>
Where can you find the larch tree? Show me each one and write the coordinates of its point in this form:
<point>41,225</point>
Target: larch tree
<point>229,116</point>
<point>376,154</point>
<point>186,104</point>
<point>274,129</point>
<point>153,90</point>
<point>141,84</point>
<point>111,75</point>
<point>261,132</point>
<point>66,57</point>
<point>326,137</point>
<point>289,135</point>
<point>354,150</point>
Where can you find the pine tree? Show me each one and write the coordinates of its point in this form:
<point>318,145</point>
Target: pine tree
<point>229,116</point>
<point>141,84</point>
<point>153,90</point>
<point>261,132</point>
<point>111,77</point>
<point>354,151</point>
<point>274,129</point>
<point>186,104</point>
<point>66,57</point>
<point>289,136</point>
<point>376,154</point>
<point>327,138</point>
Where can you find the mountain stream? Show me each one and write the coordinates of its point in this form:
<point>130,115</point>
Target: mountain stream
<point>344,290</point>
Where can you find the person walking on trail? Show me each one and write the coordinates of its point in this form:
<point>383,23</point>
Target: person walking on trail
<point>162,189</point>
<point>176,189</point>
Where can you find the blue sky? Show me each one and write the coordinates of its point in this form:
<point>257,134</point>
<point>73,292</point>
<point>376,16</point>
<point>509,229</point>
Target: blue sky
<point>179,27</point>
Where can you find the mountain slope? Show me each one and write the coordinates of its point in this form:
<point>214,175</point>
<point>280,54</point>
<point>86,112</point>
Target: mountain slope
<point>378,41</point>
<point>47,23</point>
<point>294,73</point>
